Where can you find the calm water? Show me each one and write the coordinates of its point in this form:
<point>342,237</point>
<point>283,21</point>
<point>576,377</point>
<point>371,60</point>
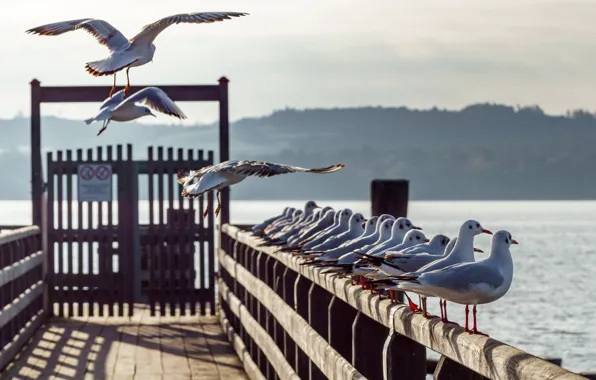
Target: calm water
<point>550,307</point>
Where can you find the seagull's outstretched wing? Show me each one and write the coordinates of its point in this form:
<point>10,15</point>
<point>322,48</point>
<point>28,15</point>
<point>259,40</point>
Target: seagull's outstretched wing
<point>155,98</point>
<point>103,32</point>
<point>113,101</point>
<point>149,32</point>
<point>269,169</point>
<point>208,181</point>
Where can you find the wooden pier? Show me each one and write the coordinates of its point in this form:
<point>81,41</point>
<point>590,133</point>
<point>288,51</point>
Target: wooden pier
<point>89,292</point>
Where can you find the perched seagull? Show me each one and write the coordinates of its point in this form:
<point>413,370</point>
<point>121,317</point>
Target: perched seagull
<point>462,252</point>
<point>436,246</point>
<point>472,283</point>
<point>401,226</point>
<point>355,229</point>
<point>259,228</point>
<point>117,108</point>
<point>126,53</point>
<point>216,177</point>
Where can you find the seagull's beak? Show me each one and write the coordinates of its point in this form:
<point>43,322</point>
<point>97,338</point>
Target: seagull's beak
<point>152,114</point>
<point>478,250</point>
<point>426,240</point>
<point>484,230</point>
<point>416,228</point>
<point>513,241</point>
<point>363,224</point>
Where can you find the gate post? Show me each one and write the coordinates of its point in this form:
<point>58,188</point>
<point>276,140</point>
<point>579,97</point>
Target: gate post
<point>135,236</point>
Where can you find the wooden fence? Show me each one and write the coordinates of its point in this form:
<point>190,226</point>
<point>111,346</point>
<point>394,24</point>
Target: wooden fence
<point>99,253</point>
<point>291,321</point>
<point>21,289</point>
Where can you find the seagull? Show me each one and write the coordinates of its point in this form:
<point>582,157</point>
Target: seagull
<point>472,283</point>
<point>296,225</point>
<point>216,177</point>
<point>401,226</point>
<point>259,228</point>
<point>355,229</point>
<point>436,246</point>
<point>323,223</point>
<point>462,252</point>
<point>126,53</point>
<point>117,108</point>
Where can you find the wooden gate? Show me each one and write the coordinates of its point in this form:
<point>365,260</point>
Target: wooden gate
<point>107,254</point>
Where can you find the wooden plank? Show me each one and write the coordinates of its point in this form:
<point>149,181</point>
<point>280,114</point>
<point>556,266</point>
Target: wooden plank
<point>87,94</point>
<point>69,246</point>
<point>18,234</point>
<point>80,238</point>
<point>251,368</point>
<point>327,359</point>
<point>484,355</point>
<point>21,267</point>
<point>223,355</point>
<point>258,334</point>
<point>10,351</point>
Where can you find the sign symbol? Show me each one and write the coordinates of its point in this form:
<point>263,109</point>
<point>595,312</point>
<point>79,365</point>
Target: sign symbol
<point>102,173</point>
<point>87,173</point>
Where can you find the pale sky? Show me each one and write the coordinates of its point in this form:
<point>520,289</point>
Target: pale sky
<point>314,53</point>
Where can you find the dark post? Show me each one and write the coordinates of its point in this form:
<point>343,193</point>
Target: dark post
<point>224,143</point>
<point>390,196</point>
<point>36,171</point>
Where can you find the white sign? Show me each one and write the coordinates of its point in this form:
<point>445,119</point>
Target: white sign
<point>95,182</point>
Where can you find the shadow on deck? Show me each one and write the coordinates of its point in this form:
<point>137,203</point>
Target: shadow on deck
<point>141,347</point>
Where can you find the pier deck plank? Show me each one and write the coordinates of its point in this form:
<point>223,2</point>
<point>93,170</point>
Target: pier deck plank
<point>141,347</point>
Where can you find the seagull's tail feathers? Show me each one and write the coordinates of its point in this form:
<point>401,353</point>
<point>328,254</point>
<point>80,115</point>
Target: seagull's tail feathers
<point>109,66</point>
<point>328,169</point>
<point>291,248</point>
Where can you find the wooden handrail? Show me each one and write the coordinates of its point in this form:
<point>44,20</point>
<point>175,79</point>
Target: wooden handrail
<point>21,287</point>
<point>483,355</point>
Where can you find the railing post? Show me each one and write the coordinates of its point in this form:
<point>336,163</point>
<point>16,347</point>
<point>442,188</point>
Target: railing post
<point>390,197</point>
<point>448,369</point>
<point>340,321</point>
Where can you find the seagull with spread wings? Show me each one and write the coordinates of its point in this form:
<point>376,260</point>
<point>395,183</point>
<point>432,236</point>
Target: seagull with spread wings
<point>125,53</point>
<point>216,177</point>
<point>118,108</point>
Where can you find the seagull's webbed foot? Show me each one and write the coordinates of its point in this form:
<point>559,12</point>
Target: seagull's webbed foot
<point>412,305</point>
<point>101,130</point>
<point>475,331</point>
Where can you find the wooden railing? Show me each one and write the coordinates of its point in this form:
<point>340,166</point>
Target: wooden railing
<point>291,322</point>
<point>21,289</point>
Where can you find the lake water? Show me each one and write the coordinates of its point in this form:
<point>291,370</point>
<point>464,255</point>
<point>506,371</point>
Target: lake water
<point>550,307</point>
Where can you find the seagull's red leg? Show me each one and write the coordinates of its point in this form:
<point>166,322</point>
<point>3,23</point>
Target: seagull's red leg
<point>127,88</point>
<point>441,307</point>
<point>446,320</point>
<point>113,87</point>
<point>475,330</point>
<point>466,329</point>
<point>103,128</point>
<point>425,313</point>
<point>206,212</point>
<point>412,305</point>
<point>218,204</point>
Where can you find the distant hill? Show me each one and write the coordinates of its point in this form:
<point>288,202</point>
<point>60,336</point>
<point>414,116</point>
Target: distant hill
<point>484,151</point>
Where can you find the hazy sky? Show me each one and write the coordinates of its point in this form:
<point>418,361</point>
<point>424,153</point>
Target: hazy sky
<point>310,53</point>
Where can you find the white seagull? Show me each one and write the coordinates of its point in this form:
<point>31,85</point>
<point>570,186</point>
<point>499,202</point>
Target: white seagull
<point>126,53</point>
<point>216,177</point>
<point>471,283</point>
<point>117,108</point>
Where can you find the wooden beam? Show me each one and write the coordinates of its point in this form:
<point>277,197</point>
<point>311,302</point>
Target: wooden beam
<point>92,94</point>
<point>328,360</point>
<point>258,334</point>
<point>18,234</point>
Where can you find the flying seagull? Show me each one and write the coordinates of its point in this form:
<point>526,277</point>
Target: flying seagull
<point>216,177</point>
<point>119,109</point>
<point>125,53</point>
